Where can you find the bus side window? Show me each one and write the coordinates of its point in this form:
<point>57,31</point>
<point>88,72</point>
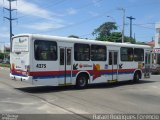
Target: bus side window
<point>38,53</point>
<point>126,54</point>
<point>61,56</point>
<point>81,52</point>
<point>139,54</point>
<point>45,50</point>
<point>98,53</point>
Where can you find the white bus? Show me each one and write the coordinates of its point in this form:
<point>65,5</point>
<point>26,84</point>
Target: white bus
<point>44,60</point>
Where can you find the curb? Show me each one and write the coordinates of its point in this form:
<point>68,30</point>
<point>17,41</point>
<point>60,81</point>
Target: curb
<point>4,68</point>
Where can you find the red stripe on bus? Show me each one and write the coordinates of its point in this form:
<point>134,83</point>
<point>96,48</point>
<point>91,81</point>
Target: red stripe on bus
<point>45,73</point>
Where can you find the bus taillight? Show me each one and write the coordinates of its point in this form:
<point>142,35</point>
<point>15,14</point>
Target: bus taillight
<point>28,69</point>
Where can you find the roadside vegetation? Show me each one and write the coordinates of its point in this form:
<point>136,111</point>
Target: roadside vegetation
<point>4,63</point>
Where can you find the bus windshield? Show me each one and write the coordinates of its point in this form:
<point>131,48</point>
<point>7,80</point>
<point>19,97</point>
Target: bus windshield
<point>20,44</point>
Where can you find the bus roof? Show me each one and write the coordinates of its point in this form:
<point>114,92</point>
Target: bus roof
<point>80,40</point>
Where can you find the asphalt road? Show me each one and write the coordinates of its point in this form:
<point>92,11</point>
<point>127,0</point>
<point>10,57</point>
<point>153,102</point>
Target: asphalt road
<point>123,97</point>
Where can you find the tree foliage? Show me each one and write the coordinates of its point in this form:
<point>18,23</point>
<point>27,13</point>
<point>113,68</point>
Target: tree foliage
<point>114,37</point>
<point>105,29</point>
<point>141,43</point>
<point>1,55</point>
<point>130,40</point>
<point>73,36</point>
<point>105,32</point>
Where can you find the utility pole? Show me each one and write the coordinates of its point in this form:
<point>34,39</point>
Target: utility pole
<point>123,10</point>
<point>10,19</point>
<point>134,36</point>
<point>131,18</point>
<point>4,52</point>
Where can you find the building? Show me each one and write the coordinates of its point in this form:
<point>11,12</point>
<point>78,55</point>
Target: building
<point>4,48</point>
<point>6,52</point>
<point>1,48</point>
<point>151,43</point>
<point>156,49</point>
<point>7,49</point>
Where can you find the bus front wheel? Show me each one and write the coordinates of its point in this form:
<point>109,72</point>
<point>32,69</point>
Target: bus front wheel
<point>82,81</point>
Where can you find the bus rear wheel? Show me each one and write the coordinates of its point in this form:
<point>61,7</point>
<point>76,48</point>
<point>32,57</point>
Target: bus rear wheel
<point>136,77</point>
<point>82,81</point>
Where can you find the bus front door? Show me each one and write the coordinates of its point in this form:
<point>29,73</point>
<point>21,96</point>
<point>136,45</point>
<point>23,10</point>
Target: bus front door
<point>65,66</point>
<point>147,65</point>
<point>113,66</point>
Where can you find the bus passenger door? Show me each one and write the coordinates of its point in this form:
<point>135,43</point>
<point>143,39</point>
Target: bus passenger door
<point>65,66</point>
<point>147,65</point>
<point>113,65</point>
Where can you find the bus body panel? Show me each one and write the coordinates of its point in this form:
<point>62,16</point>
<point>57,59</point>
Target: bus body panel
<point>20,59</point>
<point>64,69</point>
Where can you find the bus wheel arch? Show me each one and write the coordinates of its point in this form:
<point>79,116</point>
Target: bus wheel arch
<point>137,76</point>
<point>82,80</point>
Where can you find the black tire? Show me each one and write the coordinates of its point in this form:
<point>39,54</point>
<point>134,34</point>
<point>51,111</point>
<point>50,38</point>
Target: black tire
<point>136,77</point>
<point>82,81</point>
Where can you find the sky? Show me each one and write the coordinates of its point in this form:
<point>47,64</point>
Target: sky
<point>79,17</point>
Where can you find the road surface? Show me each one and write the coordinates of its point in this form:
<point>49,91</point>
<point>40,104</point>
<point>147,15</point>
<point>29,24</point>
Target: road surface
<point>124,97</point>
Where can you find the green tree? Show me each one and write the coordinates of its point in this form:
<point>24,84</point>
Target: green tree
<point>106,33</point>
<point>73,36</point>
<point>130,40</point>
<point>1,55</point>
<point>105,29</point>
<point>141,43</point>
<point>114,37</point>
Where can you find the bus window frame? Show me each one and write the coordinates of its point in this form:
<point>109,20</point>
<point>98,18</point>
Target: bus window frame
<point>45,41</point>
<point>75,51</point>
<point>105,57</point>
<point>142,58</point>
<point>132,55</point>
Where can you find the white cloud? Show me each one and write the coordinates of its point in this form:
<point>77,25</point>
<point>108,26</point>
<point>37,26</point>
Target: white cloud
<point>96,3</point>
<point>44,26</point>
<point>71,11</point>
<point>27,8</point>
<point>32,9</point>
<point>4,34</point>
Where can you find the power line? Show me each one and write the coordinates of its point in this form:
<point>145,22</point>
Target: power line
<point>85,20</point>
<point>82,7</point>
<point>87,5</point>
<point>143,26</point>
<point>46,6</point>
<point>81,22</point>
<point>145,23</point>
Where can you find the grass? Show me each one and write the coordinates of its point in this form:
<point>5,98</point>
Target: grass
<point>4,65</point>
